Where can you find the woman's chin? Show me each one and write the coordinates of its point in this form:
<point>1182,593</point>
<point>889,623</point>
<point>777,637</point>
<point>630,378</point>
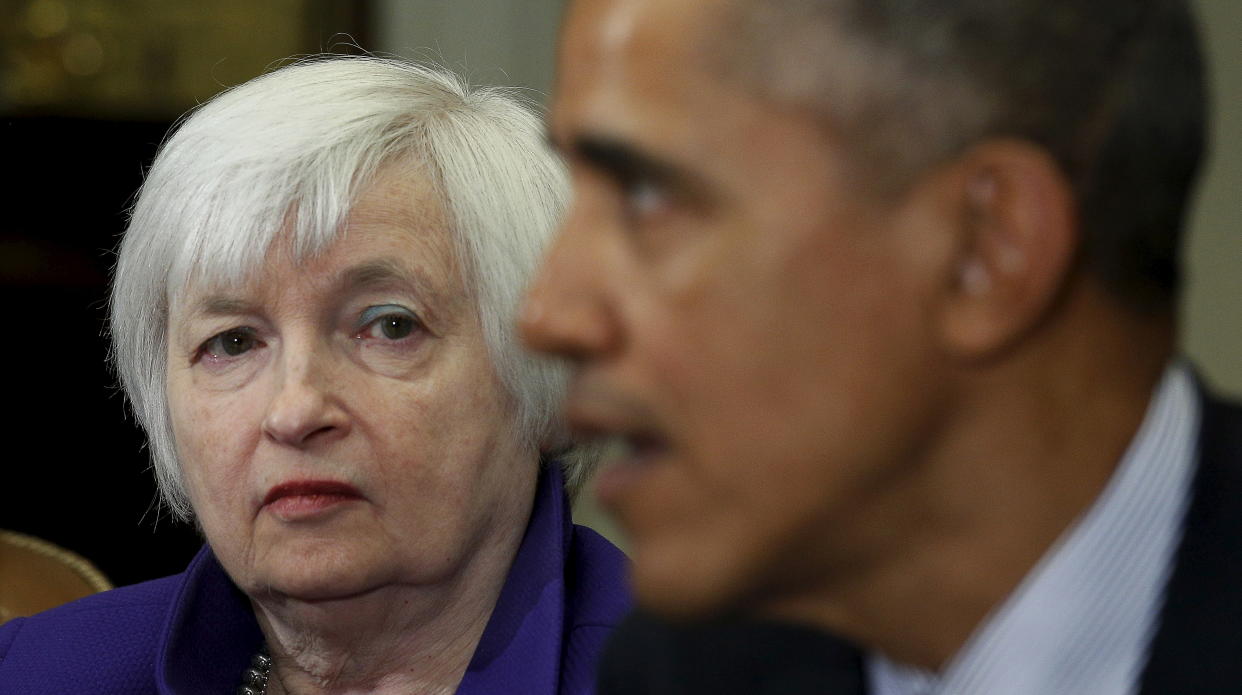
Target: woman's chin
<point>315,574</point>
<point>316,584</point>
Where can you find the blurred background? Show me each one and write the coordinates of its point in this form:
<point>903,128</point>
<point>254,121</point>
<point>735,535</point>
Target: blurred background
<point>88,89</point>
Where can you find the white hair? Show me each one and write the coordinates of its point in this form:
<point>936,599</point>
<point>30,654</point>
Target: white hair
<point>293,148</point>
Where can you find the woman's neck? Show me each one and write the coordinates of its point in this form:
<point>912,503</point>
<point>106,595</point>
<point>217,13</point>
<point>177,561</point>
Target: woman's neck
<point>398,638</point>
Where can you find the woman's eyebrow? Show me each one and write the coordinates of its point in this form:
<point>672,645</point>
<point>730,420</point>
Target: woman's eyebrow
<point>370,274</point>
<point>219,305</point>
<point>208,307</point>
<point>386,272</point>
<point>380,271</point>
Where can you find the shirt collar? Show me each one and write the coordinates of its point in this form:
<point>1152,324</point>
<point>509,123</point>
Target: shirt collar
<point>520,650</point>
<point>211,632</point>
<point>1082,619</point>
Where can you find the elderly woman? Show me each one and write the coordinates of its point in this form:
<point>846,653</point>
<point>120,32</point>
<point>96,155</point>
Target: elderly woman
<point>311,316</point>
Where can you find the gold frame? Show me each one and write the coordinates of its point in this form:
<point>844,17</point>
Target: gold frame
<point>151,59</point>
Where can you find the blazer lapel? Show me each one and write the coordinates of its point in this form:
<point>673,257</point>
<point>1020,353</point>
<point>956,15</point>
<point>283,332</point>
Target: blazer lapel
<point>1198,645</point>
<point>731,657</point>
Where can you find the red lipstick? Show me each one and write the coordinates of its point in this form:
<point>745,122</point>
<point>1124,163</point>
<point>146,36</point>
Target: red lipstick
<point>300,499</point>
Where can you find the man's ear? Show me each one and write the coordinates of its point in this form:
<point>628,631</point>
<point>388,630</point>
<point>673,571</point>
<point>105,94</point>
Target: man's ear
<point>1018,235</point>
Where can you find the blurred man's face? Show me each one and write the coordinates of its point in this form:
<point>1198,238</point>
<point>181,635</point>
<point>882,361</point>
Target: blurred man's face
<point>737,308</point>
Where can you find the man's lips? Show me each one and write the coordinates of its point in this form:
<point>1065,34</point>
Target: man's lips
<point>633,440</point>
<point>302,498</point>
<point>627,463</point>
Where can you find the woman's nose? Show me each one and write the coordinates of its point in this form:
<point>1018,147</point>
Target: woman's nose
<point>305,409</point>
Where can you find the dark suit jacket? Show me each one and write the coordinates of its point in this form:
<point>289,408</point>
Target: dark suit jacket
<point>1197,647</point>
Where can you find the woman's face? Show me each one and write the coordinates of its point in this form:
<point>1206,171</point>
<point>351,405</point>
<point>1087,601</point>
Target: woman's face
<point>339,423</point>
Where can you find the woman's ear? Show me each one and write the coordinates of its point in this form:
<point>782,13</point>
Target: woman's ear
<point>1018,235</point>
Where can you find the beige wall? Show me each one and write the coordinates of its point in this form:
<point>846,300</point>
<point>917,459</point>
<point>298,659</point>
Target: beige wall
<point>510,42</point>
<point>1212,316</point>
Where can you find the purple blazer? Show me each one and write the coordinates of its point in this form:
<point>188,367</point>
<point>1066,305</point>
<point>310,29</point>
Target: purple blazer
<point>195,632</point>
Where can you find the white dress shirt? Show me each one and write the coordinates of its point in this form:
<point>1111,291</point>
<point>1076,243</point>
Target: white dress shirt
<point>1082,620</point>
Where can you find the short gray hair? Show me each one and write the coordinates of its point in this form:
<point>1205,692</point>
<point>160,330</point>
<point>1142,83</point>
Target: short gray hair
<point>296,146</point>
<point>1112,89</point>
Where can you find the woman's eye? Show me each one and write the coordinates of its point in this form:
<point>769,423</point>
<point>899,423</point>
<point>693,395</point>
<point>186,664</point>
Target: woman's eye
<point>395,327</point>
<point>230,343</point>
<point>389,325</point>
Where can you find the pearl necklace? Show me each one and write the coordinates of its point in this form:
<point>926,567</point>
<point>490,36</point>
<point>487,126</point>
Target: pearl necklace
<point>254,680</point>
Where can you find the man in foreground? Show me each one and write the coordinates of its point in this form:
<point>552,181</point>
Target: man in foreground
<point>880,297</point>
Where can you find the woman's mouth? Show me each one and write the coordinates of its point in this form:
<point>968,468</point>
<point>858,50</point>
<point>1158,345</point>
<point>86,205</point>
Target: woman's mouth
<point>302,499</point>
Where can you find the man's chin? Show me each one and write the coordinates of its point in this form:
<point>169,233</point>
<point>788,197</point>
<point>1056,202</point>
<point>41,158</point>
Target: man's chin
<point>686,587</point>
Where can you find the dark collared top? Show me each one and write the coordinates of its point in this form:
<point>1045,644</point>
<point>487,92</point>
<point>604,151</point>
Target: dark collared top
<point>194,633</point>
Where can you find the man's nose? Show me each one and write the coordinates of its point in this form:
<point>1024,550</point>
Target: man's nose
<point>305,409</point>
<point>568,310</point>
